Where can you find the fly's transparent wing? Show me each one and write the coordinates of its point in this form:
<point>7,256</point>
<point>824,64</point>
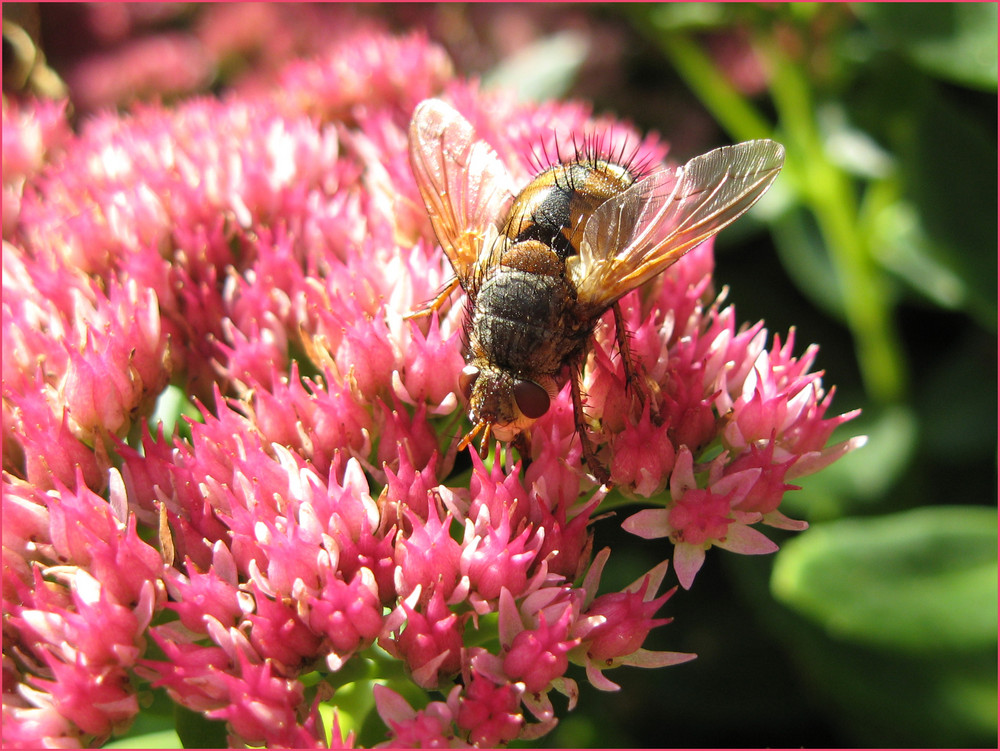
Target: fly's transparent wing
<point>634,236</point>
<point>465,187</point>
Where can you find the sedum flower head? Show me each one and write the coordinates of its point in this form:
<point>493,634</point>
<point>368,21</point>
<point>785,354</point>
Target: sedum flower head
<point>253,259</point>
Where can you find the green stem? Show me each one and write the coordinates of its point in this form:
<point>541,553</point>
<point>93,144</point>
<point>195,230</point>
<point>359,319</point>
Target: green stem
<point>827,191</point>
<point>824,189</point>
<point>734,113</point>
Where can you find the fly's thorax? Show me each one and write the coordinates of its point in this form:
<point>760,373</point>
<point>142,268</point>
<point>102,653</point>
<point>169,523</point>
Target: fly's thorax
<point>554,207</point>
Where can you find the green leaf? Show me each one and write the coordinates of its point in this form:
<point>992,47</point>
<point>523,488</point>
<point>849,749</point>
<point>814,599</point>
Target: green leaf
<point>954,41</point>
<point>894,624</point>
<point>883,700</point>
<point>901,246</point>
<point>805,258</point>
<point>918,582</point>
<point>172,404</point>
<point>944,167</point>
<point>197,731</point>
<point>930,221</point>
<point>960,429</point>
<point>156,739</point>
<point>666,17</point>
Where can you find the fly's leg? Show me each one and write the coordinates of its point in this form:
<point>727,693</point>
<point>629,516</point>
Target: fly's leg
<point>622,334</point>
<point>633,383</point>
<point>522,442</point>
<point>436,304</point>
<point>598,470</point>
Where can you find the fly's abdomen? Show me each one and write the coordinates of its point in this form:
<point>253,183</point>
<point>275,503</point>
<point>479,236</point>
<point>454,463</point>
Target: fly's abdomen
<point>515,320</point>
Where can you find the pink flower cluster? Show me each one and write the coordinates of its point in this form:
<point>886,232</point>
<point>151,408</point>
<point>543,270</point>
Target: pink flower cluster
<point>254,258</point>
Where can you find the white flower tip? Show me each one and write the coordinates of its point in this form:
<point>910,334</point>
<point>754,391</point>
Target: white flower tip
<point>647,658</point>
<point>391,706</point>
<point>688,560</point>
<point>600,681</point>
<point>335,662</point>
<point>117,495</point>
<point>655,576</point>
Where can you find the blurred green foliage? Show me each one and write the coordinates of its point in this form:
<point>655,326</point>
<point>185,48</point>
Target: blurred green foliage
<point>877,626</point>
<point>882,630</point>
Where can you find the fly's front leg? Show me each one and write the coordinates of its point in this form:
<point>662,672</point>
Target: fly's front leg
<point>522,442</point>
<point>597,469</point>
<point>429,307</point>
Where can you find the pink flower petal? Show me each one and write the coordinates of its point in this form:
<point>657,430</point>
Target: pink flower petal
<point>688,560</point>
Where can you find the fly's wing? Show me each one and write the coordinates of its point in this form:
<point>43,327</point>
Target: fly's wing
<point>634,236</point>
<point>465,186</point>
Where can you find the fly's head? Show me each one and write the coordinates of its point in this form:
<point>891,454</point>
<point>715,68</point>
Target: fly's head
<point>502,402</point>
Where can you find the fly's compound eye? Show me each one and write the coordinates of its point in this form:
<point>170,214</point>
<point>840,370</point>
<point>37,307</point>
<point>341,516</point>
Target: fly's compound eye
<point>467,379</point>
<point>532,399</point>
